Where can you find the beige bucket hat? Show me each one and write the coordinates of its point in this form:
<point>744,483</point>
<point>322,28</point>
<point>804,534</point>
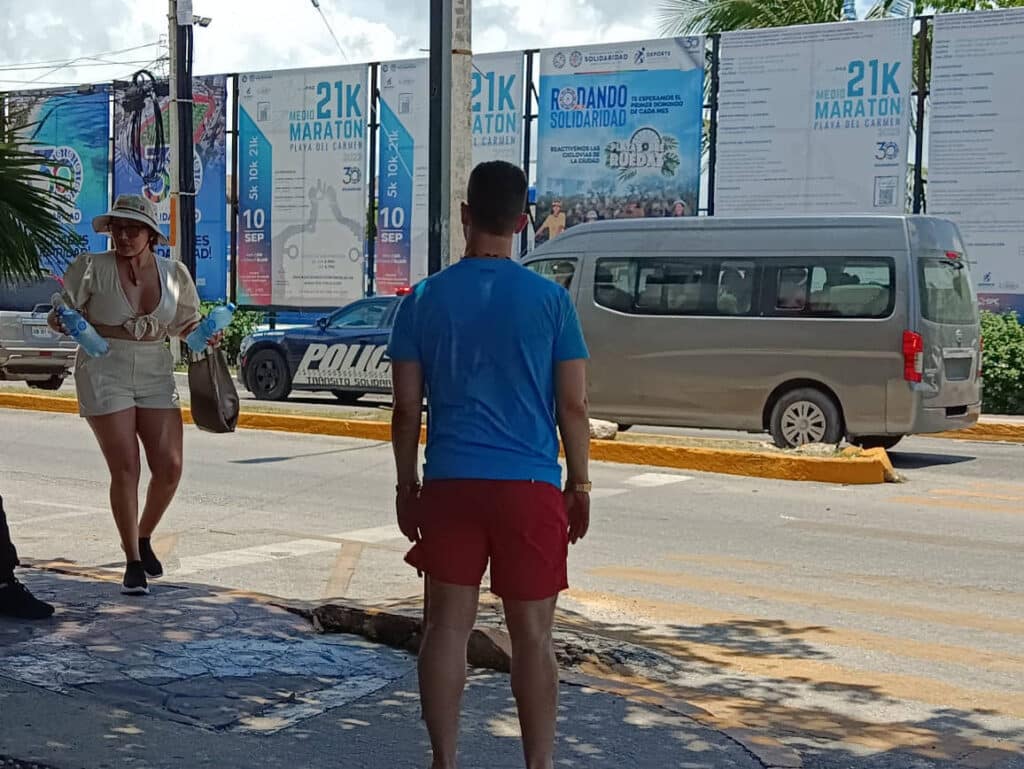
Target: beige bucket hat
<point>134,207</point>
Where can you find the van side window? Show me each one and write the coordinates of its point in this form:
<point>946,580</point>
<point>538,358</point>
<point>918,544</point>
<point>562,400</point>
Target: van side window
<point>615,283</point>
<point>793,294</point>
<point>853,288</point>
<point>735,288</point>
<point>670,287</point>
<point>559,270</point>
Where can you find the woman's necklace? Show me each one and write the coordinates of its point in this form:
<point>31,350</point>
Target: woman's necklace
<point>132,276</point>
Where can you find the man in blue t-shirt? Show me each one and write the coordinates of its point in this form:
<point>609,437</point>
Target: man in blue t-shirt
<point>499,354</point>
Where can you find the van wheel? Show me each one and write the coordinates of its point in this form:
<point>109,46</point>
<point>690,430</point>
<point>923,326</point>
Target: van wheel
<point>876,441</point>
<point>805,416</point>
<point>53,383</point>
<point>268,377</point>
<point>625,428</point>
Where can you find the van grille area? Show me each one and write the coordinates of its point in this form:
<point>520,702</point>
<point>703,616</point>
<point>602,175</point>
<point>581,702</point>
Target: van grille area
<point>958,369</point>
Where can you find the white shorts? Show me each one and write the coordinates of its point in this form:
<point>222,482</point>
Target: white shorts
<point>131,375</point>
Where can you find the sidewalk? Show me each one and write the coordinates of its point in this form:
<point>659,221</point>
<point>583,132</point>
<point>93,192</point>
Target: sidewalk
<point>198,677</point>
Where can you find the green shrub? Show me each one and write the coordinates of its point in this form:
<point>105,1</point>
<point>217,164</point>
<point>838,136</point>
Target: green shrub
<point>1003,363</point>
<point>242,324</point>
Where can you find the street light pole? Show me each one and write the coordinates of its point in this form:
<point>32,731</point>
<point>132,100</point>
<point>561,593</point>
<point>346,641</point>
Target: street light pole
<point>451,145</point>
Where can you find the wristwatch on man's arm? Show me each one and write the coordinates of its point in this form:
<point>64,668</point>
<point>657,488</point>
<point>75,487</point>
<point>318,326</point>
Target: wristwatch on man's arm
<point>579,487</point>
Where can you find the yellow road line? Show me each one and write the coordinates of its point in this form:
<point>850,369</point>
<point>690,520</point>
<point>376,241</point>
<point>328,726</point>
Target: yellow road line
<point>813,599</point>
<point>956,505</point>
<point>628,609</point>
<point>976,495</point>
<point>1013,597</point>
<point>894,536</point>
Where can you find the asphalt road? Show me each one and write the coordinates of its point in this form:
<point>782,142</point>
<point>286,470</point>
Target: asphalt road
<point>881,618</point>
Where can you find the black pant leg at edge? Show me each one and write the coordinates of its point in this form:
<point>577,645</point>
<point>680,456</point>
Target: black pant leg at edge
<point>8,555</point>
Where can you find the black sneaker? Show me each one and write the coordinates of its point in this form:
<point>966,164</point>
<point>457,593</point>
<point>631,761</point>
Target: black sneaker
<point>135,579</point>
<point>154,569</point>
<point>17,601</point>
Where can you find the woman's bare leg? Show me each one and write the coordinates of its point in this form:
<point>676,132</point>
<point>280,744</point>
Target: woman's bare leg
<point>120,446</point>
<point>161,433</point>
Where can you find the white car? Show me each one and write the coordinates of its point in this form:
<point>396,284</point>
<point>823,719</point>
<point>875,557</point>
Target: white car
<point>29,350</point>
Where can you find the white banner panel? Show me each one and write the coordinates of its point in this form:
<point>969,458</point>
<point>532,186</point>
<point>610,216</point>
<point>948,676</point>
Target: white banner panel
<point>498,108</point>
<point>815,119</point>
<point>976,145</point>
<point>302,186</point>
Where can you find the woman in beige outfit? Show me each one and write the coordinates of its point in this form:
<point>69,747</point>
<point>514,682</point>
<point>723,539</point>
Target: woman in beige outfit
<point>136,300</point>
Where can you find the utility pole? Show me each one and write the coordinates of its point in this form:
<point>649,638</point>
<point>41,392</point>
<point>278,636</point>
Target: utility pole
<point>451,138</point>
<point>182,153</point>
<point>172,124</point>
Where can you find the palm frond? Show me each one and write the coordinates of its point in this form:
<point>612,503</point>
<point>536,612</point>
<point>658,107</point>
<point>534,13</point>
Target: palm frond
<point>33,216</point>
<point>688,17</point>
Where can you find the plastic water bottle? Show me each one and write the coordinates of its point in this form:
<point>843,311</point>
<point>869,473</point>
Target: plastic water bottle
<point>218,320</point>
<point>79,329</point>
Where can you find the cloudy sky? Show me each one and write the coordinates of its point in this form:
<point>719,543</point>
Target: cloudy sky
<point>272,34</point>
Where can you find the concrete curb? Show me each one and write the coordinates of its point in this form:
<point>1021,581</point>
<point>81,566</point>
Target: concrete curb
<point>869,467</point>
<point>989,432</point>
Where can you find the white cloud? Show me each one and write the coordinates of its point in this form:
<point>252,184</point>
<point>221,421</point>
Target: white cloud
<point>276,34</point>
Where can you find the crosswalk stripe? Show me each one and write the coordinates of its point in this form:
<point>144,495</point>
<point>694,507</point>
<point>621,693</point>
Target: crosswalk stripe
<point>191,564</point>
<point>653,480</point>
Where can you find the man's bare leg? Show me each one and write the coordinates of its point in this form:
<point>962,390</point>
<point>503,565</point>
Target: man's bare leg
<point>534,677</point>
<point>442,665</point>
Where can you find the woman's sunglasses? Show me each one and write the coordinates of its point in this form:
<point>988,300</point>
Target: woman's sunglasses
<point>131,230</point>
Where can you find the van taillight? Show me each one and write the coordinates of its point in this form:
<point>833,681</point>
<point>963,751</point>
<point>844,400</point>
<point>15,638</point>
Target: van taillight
<point>913,356</point>
<point>981,354</point>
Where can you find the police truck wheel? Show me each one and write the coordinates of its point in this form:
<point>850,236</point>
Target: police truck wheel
<point>347,396</point>
<point>805,416</point>
<point>268,376</point>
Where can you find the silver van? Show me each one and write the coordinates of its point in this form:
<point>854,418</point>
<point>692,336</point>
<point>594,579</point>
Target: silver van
<point>810,328</point>
<point>29,350</point>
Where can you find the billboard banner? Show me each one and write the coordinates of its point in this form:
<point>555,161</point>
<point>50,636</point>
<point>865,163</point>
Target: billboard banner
<point>71,130</point>
<point>401,255</point>
<point>620,132</point>
<point>498,108</point>
<point>141,168</point>
<point>975,164</point>
<point>815,119</point>
<point>302,186</point>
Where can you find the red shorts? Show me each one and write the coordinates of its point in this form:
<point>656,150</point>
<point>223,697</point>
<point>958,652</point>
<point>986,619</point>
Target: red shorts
<point>521,527</point>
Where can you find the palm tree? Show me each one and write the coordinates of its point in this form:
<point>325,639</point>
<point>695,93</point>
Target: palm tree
<point>33,214</point>
<point>688,17</point>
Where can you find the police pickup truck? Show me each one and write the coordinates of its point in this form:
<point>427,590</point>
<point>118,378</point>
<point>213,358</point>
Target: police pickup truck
<point>344,353</point>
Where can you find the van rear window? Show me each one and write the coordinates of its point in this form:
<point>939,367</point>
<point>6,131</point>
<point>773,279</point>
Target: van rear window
<point>946,294</point>
<point>23,296</point>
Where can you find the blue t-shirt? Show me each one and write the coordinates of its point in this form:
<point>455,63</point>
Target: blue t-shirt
<point>488,334</point>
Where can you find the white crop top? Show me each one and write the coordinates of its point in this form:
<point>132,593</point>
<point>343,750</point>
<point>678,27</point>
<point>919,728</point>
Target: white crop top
<point>92,285</point>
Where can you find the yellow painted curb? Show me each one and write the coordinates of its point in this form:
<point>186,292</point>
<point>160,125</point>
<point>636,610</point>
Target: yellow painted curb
<point>864,469</point>
<point>868,468</point>
<point>995,432</point>
<point>27,402</point>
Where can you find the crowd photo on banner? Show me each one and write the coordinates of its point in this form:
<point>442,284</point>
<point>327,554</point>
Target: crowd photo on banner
<point>323,206</point>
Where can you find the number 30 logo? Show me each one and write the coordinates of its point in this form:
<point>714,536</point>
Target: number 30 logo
<point>887,151</point>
